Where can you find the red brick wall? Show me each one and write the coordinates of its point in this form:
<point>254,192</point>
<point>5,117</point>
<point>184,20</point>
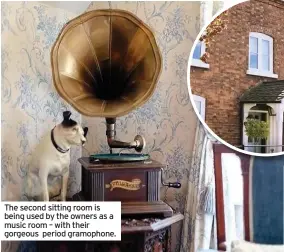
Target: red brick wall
<point>226,80</point>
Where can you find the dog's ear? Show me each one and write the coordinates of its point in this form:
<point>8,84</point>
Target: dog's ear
<point>67,121</point>
<point>66,115</point>
<point>85,131</point>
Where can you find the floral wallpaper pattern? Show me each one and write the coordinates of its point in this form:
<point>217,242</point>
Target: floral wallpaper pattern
<point>167,121</point>
<point>31,106</point>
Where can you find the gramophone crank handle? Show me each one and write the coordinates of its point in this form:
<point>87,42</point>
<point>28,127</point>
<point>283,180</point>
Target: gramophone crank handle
<point>172,185</point>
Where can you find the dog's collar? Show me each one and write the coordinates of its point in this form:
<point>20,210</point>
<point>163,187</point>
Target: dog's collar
<point>55,144</point>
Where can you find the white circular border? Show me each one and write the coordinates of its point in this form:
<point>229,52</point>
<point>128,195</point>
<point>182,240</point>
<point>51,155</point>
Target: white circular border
<point>191,95</point>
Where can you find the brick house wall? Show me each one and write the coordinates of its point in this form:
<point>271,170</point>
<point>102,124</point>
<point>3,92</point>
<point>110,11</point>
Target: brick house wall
<point>226,79</point>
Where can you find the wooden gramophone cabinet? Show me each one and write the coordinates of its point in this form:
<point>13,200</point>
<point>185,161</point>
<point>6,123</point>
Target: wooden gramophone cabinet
<point>146,220</point>
<point>106,63</point>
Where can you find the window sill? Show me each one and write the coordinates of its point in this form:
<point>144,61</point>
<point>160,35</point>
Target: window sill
<point>199,63</point>
<point>262,74</point>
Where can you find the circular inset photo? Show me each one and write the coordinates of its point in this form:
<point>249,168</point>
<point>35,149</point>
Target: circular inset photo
<point>236,77</point>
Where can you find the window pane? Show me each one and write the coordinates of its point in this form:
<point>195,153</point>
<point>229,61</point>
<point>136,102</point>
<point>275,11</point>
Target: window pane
<point>197,51</point>
<point>253,47</point>
<point>253,61</point>
<point>265,62</point>
<point>198,106</point>
<point>265,47</point>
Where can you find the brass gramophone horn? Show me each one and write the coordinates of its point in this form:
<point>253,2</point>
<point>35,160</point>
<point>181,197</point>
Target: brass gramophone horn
<point>106,63</point>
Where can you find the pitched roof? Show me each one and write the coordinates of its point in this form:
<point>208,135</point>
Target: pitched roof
<point>272,92</point>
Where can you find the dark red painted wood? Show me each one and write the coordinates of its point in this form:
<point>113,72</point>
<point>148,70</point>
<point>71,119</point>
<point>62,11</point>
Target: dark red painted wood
<point>245,164</point>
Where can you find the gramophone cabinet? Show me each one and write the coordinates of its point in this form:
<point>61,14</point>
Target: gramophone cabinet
<point>106,63</point>
<point>127,181</point>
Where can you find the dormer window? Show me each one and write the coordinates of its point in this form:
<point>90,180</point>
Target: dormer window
<point>261,55</point>
<point>197,53</point>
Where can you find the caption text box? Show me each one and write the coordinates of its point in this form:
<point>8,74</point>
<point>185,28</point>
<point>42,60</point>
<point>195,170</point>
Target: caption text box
<point>33,221</point>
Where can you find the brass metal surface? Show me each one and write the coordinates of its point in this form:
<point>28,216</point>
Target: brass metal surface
<point>105,63</point>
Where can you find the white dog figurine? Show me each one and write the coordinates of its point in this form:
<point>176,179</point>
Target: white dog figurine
<point>51,160</point>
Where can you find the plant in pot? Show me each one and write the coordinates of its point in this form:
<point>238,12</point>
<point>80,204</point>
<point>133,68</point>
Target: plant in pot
<point>256,130</point>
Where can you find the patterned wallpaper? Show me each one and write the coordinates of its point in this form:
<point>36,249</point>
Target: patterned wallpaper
<point>30,105</point>
<point>167,121</point>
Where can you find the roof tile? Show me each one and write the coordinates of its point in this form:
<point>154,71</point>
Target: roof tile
<point>272,92</point>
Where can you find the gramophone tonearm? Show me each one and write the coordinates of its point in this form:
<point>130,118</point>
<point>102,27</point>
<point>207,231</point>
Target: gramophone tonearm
<point>138,144</point>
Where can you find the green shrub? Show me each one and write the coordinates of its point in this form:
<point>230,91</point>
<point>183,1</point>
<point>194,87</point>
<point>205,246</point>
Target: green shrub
<point>256,129</point>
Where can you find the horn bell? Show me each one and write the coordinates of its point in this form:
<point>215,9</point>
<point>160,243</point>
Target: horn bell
<point>105,63</point>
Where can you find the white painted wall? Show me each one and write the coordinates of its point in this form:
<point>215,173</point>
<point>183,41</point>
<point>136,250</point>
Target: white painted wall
<point>246,109</point>
<point>206,13</point>
<point>279,124</point>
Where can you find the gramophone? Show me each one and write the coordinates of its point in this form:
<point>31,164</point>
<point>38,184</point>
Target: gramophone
<point>106,63</point>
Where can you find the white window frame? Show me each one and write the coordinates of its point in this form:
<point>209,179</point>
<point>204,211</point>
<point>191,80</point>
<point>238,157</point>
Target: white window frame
<point>202,101</point>
<point>260,71</point>
<point>199,62</point>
